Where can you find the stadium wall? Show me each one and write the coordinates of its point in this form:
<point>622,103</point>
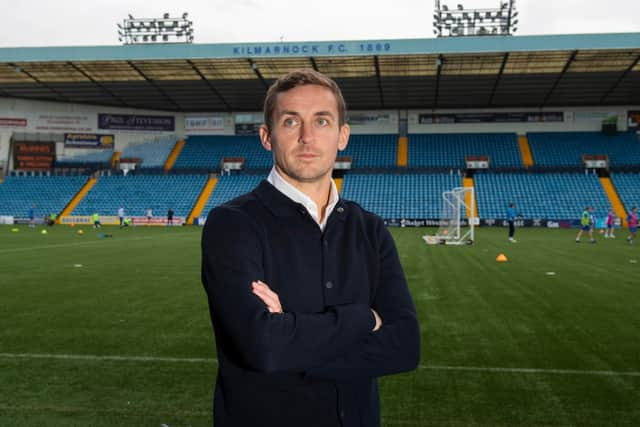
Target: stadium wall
<point>20,115</point>
<point>574,119</point>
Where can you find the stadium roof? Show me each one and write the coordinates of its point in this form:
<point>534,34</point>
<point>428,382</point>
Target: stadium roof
<point>463,72</point>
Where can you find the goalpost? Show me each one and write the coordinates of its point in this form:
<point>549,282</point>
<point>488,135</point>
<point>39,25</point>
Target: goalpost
<point>454,228</point>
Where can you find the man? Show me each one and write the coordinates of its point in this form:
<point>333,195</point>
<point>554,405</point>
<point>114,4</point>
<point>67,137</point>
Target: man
<point>585,225</point>
<point>307,296</point>
<point>95,218</point>
<point>121,216</point>
<point>32,216</point>
<point>511,219</point>
<point>608,234</point>
<point>170,217</point>
<point>632,222</point>
<point>149,215</point>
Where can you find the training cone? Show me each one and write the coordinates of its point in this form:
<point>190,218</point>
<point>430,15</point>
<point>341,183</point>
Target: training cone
<point>501,258</point>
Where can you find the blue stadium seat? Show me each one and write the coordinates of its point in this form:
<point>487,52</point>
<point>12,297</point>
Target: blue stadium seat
<point>139,192</point>
<point>206,152</point>
<point>449,150</point>
<point>48,193</point>
<point>628,187</point>
<point>230,187</point>
<point>153,153</point>
<point>410,196</point>
<point>567,148</point>
<point>372,151</point>
<point>539,196</point>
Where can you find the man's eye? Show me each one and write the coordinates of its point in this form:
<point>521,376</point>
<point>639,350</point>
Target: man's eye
<point>323,122</point>
<point>290,122</point>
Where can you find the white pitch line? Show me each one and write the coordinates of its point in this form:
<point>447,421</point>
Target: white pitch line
<point>532,370</point>
<point>107,358</point>
<point>215,361</point>
<point>92,242</point>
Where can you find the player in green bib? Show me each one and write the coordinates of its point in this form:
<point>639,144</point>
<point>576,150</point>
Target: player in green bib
<point>585,225</point>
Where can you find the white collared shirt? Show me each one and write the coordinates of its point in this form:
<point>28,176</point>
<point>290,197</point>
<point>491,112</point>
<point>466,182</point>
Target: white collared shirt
<point>298,196</point>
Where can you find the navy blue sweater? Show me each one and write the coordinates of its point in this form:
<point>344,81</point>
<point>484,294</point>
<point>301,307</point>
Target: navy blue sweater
<point>316,364</point>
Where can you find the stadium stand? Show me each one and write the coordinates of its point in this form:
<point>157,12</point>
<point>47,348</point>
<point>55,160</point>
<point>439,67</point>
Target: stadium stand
<point>565,149</point>
<point>449,150</point>
<point>229,187</point>
<point>97,157</point>
<point>628,187</point>
<point>139,192</point>
<point>48,193</point>
<point>153,153</point>
<point>399,196</point>
<point>539,196</point>
<point>372,151</point>
<point>206,152</point>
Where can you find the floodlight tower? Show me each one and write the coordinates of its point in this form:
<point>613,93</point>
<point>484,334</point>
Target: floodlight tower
<point>460,22</point>
<point>156,30</point>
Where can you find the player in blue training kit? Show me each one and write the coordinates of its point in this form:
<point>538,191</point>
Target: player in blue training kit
<point>511,219</point>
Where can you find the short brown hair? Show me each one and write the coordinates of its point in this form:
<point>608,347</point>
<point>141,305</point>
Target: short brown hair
<point>301,77</point>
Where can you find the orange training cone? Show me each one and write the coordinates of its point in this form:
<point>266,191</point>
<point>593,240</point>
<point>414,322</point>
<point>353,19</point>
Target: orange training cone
<point>501,258</point>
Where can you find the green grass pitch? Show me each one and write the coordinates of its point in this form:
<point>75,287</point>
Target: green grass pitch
<point>115,331</point>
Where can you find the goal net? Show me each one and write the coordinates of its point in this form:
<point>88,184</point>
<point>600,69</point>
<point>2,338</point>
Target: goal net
<point>457,218</point>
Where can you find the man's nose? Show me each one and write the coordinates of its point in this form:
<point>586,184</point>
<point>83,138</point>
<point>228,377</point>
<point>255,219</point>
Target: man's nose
<point>306,133</point>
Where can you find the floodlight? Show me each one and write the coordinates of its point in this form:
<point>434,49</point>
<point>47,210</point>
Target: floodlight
<point>444,7</point>
<point>184,15</point>
<point>460,7</point>
<point>131,17</point>
<point>165,16</point>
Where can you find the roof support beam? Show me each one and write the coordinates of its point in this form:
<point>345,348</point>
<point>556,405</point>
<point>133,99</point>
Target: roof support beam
<point>562,73</point>
<point>254,67</point>
<point>505,58</point>
<point>314,64</point>
<point>35,79</point>
<point>98,84</point>
<point>439,63</point>
<point>620,79</point>
<point>152,83</point>
<point>379,79</point>
<point>209,85</point>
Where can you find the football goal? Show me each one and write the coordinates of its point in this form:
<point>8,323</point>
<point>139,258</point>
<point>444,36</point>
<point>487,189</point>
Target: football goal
<point>457,218</point>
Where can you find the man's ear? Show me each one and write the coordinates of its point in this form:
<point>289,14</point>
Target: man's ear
<point>343,138</point>
<point>265,137</point>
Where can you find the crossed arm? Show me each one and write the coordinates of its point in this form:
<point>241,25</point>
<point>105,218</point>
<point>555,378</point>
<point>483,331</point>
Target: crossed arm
<point>272,301</point>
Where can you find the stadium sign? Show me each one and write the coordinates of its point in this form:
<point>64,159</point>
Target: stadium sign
<point>9,122</point>
<point>203,124</point>
<point>88,140</point>
<point>311,49</point>
<point>136,122</point>
<point>517,117</point>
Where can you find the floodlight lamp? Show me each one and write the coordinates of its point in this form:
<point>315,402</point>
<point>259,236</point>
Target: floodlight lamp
<point>514,14</point>
<point>165,37</point>
<point>131,17</point>
<point>184,15</point>
<point>514,29</point>
<point>460,7</point>
<point>165,16</point>
<point>444,7</point>
<point>514,22</point>
<point>119,26</point>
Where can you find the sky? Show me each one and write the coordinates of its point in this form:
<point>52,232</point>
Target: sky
<point>93,22</point>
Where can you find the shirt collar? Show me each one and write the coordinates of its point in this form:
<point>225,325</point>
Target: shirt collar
<point>298,196</point>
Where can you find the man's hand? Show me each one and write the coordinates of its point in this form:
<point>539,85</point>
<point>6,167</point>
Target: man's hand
<point>270,298</point>
<point>378,320</point>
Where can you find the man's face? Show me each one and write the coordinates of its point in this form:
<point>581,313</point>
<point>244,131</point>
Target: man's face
<point>305,135</point>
